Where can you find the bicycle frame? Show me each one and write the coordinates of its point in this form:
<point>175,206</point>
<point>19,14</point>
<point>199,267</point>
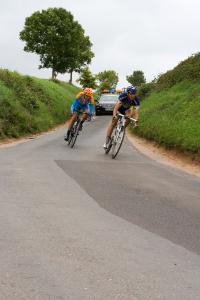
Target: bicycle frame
<point>118,136</point>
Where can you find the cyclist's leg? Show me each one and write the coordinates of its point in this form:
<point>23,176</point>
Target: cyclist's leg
<point>109,132</point>
<point>128,114</point>
<point>70,125</point>
<point>74,111</point>
<point>110,129</point>
<point>76,108</point>
<point>113,123</point>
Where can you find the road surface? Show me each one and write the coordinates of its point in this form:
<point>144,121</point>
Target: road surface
<point>75,224</point>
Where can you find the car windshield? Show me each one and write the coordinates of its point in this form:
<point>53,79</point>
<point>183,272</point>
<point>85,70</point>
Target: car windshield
<point>109,98</point>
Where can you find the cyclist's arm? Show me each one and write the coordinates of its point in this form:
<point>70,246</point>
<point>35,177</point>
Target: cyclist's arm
<point>135,114</point>
<point>132,111</point>
<point>79,95</point>
<point>135,108</point>
<point>116,108</point>
<point>92,100</point>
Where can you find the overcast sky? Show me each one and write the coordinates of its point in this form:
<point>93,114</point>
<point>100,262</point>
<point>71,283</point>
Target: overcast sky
<point>127,35</point>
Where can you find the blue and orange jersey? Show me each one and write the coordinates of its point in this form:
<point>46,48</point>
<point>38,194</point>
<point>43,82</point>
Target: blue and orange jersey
<point>83,99</point>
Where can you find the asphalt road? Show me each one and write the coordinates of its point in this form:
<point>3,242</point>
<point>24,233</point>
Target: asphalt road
<point>75,224</point>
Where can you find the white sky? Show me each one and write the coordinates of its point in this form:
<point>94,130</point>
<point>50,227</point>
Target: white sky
<point>127,35</point>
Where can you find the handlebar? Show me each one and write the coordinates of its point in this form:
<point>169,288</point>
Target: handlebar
<point>123,116</point>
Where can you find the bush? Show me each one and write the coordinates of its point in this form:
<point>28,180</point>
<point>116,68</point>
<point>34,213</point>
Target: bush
<point>145,89</point>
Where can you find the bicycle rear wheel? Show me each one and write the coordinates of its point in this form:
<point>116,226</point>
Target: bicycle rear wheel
<point>117,142</point>
<point>75,133</point>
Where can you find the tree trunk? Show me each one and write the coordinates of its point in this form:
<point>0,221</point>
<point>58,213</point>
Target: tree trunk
<point>53,75</point>
<point>70,79</point>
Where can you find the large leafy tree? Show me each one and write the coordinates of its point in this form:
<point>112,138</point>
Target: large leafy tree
<point>108,79</point>
<point>58,39</point>
<point>87,79</point>
<point>137,78</point>
<point>82,54</point>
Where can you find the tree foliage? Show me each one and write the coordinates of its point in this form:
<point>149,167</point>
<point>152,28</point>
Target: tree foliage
<point>108,79</point>
<point>86,79</point>
<point>145,89</point>
<point>58,39</point>
<point>82,54</point>
<point>137,78</point>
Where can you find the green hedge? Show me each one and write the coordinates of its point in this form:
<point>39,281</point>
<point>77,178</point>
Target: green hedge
<point>31,105</point>
<point>171,117</point>
<point>188,69</point>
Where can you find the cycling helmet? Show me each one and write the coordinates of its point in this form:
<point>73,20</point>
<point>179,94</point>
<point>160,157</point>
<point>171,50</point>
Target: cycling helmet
<point>88,92</point>
<point>131,90</point>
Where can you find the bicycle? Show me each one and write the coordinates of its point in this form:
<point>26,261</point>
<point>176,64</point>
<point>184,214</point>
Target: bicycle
<point>118,135</point>
<point>74,131</point>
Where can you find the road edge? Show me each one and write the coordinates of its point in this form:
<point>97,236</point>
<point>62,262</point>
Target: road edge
<point>158,153</point>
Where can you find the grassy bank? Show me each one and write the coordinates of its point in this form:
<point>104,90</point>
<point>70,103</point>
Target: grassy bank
<point>31,105</point>
<point>171,116</point>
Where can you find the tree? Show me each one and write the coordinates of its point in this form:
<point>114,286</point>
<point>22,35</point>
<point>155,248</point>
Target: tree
<point>82,54</point>
<point>56,37</point>
<point>108,79</point>
<point>137,78</point>
<point>86,79</point>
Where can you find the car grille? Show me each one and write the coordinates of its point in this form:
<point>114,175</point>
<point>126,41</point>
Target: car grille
<point>108,106</point>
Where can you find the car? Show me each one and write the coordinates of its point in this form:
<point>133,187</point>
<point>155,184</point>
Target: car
<point>106,103</point>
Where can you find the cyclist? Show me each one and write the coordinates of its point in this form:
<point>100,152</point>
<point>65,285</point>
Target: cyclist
<point>128,104</point>
<point>80,104</point>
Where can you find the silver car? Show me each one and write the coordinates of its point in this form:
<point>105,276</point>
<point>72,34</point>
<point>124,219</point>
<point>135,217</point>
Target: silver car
<point>106,103</point>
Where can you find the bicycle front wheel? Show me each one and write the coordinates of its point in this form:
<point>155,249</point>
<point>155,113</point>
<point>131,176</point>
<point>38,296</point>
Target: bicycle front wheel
<point>117,142</point>
<point>107,150</point>
<point>71,136</point>
<point>75,134</point>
